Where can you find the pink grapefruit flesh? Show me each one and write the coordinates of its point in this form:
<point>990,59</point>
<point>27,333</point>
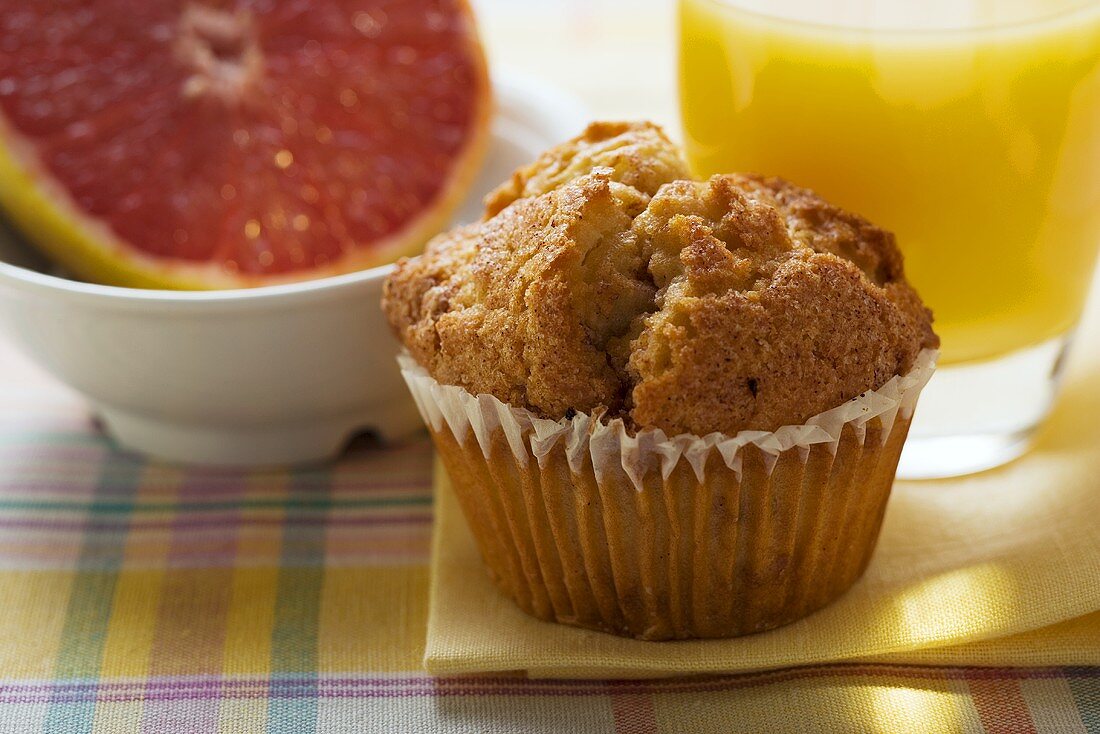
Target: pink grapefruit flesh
<point>228,144</point>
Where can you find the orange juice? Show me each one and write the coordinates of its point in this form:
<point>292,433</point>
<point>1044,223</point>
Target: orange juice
<point>971,129</point>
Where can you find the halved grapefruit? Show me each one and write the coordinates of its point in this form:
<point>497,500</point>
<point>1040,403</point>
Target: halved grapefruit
<point>212,144</point>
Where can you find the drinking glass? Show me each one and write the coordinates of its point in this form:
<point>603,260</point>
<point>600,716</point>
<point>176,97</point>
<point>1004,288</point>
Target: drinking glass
<point>971,129</point>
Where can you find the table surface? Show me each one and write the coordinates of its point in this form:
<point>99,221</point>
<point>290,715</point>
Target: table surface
<point>140,597</point>
<point>151,598</point>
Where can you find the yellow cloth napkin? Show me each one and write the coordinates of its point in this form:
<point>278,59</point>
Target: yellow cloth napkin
<point>998,601</point>
<point>1001,568</point>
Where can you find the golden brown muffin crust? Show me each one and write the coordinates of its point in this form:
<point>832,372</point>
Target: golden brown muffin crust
<point>520,306</point>
<point>762,321</point>
<point>739,302</point>
<point>639,155</point>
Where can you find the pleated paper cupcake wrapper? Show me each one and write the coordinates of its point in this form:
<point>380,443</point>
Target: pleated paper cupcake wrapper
<point>679,537</point>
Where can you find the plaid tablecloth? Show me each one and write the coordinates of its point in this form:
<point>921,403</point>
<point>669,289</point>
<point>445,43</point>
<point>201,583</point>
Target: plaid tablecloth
<point>136,597</point>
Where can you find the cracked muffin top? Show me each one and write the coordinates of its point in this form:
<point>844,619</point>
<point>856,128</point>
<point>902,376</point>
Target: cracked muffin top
<point>603,280</point>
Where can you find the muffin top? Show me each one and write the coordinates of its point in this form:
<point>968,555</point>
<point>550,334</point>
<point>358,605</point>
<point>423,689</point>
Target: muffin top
<point>604,280</point>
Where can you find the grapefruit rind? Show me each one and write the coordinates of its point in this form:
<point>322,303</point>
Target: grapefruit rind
<point>87,250</point>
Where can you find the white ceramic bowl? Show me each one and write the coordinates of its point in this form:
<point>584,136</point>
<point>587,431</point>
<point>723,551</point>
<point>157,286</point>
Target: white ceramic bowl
<point>267,376</point>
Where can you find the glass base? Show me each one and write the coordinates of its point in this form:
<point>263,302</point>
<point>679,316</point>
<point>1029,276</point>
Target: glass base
<point>974,417</point>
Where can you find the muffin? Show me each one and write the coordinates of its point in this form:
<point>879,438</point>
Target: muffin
<point>669,408</point>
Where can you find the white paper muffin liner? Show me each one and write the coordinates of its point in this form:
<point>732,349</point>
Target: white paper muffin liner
<point>610,445</point>
<point>660,538</point>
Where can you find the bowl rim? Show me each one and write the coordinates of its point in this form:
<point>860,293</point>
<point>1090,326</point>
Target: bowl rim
<point>55,285</point>
<point>547,107</point>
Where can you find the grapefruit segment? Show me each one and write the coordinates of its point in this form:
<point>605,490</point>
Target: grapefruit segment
<point>212,145</point>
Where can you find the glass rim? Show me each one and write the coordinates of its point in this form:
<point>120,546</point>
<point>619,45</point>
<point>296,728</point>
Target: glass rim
<point>736,5</point>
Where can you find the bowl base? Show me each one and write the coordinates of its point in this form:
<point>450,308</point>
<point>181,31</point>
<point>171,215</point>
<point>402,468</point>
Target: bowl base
<point>298,442</point>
